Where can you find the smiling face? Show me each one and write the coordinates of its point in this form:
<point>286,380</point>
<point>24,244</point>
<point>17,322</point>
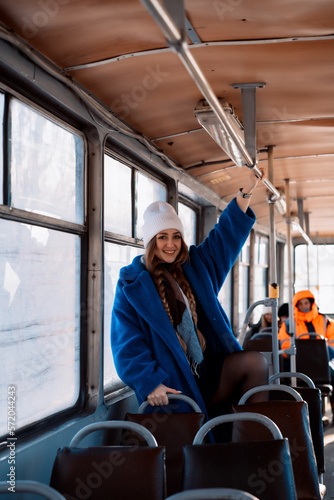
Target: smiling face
<point>267,317</point>
<point>168,245</point>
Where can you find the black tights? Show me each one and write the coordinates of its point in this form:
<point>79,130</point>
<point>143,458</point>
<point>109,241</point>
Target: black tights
<point>241,371</point>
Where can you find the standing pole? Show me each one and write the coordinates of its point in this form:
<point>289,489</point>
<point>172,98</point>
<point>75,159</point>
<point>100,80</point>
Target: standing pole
<point>290,273</point>
<point>272,238</point>
<point>273,286</point>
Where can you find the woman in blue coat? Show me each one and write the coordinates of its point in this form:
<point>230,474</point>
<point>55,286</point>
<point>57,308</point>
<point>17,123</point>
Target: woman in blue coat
<point>169,333</point>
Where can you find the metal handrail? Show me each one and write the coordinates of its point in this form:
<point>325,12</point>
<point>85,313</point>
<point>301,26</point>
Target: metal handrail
<point>178,44</point>
<point>241,338</point>
<point>213,493</point>
<point>270,387</point>
<point>244,326</point>
<point>299,375</point>
<point>114,424</point>
<point>222,419</point>
<point>22,486</point>
<point>181,397</point>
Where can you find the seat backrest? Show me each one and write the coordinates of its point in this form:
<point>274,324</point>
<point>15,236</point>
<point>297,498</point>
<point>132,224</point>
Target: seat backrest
<point>261,468</point>
<point>292,418</point>
<point>31,487</point>
<point>312,359</point>
<point>312,396</point>
<point>105,472</point>
<point>213,493</point>
<point>314,403</point>
<point>172,430</point>
<point>260,344</point>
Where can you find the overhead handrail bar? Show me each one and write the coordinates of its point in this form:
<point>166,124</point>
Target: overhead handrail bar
<point>299,228</point>
<point>178,43</point>
<point>272,189</point>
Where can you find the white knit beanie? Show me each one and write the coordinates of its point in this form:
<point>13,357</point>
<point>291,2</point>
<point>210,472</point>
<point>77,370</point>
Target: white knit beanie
<point>160,216</point>
<point>266,310</point>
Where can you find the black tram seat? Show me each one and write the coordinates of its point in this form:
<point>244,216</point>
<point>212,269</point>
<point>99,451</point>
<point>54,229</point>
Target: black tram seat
<point>172,430</point>
<point>260,341</point>
<point>239,464</point>
<point>111,472</point>
<point>292,418</point>
<point>312,358</point>
<point>31,487</point>
<point>312,396</point>
<point>213,493</point>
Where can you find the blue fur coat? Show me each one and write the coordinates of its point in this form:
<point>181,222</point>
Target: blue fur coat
<point>145,348</point>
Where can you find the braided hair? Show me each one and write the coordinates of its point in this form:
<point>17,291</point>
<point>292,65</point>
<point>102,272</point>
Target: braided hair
<point>156,270</point>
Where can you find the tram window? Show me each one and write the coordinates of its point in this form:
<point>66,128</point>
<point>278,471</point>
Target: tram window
<point>260,272</point>
<point>244,264</point>
<point>243,292</point>
<point>127,192</point>
<point>2,105</point>
<point>314,271</point>
<point>122,198</point>
<point>117,197</point>
<point>46,165</point>
<point>245,252</point>
<point>261,249</point>
<point>116,256</point>
<point>40,323</point>
<point>147,191</point>
<point>189,219</point>
<point>285,287</point>
<point>225,295</point>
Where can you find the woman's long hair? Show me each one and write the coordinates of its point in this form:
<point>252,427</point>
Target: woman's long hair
<point>156,270</point>
<point>265,323</point>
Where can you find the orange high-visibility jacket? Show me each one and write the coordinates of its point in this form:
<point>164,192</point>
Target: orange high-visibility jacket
<point>322,325</point>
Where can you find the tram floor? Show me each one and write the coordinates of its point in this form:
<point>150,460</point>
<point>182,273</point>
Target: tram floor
<point>328,477</point>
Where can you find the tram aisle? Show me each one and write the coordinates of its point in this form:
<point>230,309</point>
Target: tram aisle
<point>329,457</point>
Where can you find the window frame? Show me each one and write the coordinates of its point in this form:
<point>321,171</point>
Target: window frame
<point>183,200</point>
<point>5,209</point>
<point>314,283</point>
<point>127,161</point>
<point>112,392</point>
<point>258,236</point>
<point>7,212</point>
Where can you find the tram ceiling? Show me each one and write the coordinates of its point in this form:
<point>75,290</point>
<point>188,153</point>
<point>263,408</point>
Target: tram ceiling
<point>117,52</point>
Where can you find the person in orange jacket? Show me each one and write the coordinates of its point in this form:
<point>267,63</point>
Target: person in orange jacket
<point>308,320</point>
